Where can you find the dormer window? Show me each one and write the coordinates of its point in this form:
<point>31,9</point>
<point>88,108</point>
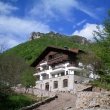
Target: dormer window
<point>51,57</point>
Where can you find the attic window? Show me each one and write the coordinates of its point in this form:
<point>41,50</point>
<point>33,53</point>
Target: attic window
<point>50,57</point>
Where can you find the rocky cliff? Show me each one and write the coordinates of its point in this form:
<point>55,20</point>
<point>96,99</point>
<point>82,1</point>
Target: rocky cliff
<point>74,38</point>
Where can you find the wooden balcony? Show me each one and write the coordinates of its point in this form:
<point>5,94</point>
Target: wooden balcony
<point>58,59</point>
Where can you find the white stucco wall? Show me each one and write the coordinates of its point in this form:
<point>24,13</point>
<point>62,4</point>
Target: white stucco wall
<point>60,83</point>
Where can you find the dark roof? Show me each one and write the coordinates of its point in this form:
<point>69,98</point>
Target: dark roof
<point>55,49</point>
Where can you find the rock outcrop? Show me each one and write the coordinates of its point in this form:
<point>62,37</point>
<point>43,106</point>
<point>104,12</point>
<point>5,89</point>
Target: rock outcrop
<point>37,35</point>
<point>75,38</point>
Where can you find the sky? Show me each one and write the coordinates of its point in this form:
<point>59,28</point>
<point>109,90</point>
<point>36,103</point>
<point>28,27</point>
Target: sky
<point>19,18</point>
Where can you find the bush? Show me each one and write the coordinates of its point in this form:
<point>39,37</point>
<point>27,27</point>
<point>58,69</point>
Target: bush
<point>98,83</point>
<point>15,102</point>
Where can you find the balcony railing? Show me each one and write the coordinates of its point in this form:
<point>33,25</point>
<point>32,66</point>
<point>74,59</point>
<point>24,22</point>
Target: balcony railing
<point>57,59</point>
<point>58,67</point>
<point>43,63</point>
<point>75,65</point>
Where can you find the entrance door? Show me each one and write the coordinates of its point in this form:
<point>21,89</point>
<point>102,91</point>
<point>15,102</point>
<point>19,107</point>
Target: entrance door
<point>47,86</point>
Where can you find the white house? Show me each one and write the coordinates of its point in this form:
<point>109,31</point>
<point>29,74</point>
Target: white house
<point>57,69</point>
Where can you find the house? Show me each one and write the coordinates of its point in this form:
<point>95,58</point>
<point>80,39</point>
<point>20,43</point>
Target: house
<point>57,69</point>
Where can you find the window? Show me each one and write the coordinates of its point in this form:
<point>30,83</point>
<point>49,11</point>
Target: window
<point>53,76</point>
<point>51,57</point>
<point>65,83</point>
<point>55,84</point>
<point>38,77</point>
<point>75,82</point>
<point>77,73</point>
<point>45,67</point>
<point>66,72</point>
<point>62,73</point>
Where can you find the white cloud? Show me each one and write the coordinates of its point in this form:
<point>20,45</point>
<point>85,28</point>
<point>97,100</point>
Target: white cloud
<point>80,23</point>
<point>8,41</point>
<point>52,9</point>
<point>86,10</point>
<point>87,31</point>
<point>58,8</point>
<point>6,8</point>
<point>21,26</point>
<point>14,30</point>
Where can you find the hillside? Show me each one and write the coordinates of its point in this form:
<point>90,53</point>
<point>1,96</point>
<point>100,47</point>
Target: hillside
<point>32,49</point>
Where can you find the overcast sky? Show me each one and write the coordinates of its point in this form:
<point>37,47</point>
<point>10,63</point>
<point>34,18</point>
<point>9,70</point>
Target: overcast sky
<point>18,18</point>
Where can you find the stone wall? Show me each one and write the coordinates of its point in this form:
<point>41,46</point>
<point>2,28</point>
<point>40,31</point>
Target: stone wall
<point>38,92</point>
<point>98,89</point>
<point>92,99</point>
<point>70,78</point>
<point>71,85</point>
<point>81,79</point>
<point>36,105</point>
<point>81,87</point>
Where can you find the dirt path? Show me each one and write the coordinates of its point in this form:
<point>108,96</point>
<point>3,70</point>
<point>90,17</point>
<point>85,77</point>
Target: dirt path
<point>65,101</point>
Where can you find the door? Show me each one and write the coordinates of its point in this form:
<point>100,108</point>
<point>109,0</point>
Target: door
<point>47,86</point>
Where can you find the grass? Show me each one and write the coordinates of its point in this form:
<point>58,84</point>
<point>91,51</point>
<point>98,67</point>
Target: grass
<point>17,101</point>
<point>100,84</point>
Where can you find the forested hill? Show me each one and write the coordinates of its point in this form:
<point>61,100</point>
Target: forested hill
<point>32,48</point>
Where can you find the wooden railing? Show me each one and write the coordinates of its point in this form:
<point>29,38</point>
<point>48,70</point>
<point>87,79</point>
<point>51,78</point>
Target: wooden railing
<point>58,59</point>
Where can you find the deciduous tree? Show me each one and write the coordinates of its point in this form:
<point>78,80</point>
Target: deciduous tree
<point>27,78</point>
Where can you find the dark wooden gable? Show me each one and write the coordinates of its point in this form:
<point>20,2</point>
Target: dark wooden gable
<point>52,50</point>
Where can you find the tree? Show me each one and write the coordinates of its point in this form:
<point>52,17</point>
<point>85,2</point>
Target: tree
<point>27,78</point>
<point>2,48</point>
<point>14,70</point>
<point>103,51</point>
<point>103,44</point>
<point>91,63</point>
<point>11,68</point>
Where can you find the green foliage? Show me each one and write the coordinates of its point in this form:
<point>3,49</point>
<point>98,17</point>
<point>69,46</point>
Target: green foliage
<point>11,68</point>
<point>14,62</point>
<point>16,101</point>
<point>13,71</point>
<point>32,49</point>
<point>27,78</point>
<point>103,44</point>
<point>79,39</point>
<point>102,49</point>
<point>100,84</point>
